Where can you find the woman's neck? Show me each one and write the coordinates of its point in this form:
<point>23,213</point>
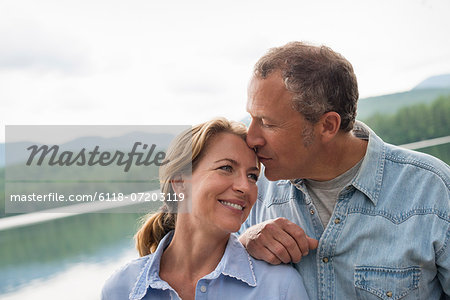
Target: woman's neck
<point>193,253</point>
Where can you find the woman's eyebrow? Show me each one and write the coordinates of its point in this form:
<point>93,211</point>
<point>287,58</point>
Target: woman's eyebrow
<point>227,159</point>
<point>253,169</point>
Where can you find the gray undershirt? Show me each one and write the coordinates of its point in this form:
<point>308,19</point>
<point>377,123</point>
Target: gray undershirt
<point>324,194</point>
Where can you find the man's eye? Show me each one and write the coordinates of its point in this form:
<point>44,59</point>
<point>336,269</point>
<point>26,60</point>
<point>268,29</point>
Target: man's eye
<point>253,177</point>
<point>227,168</point>
<point>266,125</point>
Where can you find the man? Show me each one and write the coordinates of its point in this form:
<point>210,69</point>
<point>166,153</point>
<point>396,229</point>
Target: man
<point>359,218</point>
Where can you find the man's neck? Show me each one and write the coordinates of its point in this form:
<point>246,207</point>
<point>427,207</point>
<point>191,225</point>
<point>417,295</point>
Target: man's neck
<point>339,156</point>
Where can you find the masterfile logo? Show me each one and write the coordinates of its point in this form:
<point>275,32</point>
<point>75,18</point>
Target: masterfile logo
<point>56,167</point>
<point>94,157</point>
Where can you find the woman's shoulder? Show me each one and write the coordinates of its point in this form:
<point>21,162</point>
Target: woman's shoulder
<point>121,282</point>
<point>282,278</point>
<point>282,271</point>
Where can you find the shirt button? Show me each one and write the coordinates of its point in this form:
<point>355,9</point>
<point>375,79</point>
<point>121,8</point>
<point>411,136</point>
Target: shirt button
<point>337,221</point>
<point>325,259</point>
<point>311,211</point>
<point>203,288</point>
<point>389,294</point>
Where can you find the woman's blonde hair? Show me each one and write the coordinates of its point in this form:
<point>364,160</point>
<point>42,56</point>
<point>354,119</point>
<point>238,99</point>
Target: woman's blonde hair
<point>183,155</point>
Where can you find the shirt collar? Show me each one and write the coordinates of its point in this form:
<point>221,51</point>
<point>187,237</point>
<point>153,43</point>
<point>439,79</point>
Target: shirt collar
<point>236,263</point>
<point>149,275</point>
<point>370,176</point>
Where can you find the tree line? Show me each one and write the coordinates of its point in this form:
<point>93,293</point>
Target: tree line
<point>416,123</point>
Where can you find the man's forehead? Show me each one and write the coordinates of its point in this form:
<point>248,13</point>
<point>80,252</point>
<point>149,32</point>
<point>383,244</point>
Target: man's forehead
<point>254,107</point>
<point>263,92</point>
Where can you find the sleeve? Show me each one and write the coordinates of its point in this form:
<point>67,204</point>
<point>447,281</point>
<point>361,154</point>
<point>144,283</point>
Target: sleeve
<point>443,265</point>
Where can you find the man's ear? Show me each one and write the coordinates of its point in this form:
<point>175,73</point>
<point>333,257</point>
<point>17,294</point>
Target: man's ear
<point>178,183</point>
<point>330,124</point>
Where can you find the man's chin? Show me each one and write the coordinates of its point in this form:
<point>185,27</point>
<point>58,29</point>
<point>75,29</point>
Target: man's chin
<point>271,174</point>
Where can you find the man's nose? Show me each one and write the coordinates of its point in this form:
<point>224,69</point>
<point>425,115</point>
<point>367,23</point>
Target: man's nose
<point>254,137</point>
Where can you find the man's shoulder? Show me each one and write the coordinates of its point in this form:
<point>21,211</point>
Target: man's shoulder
<point>423,164</point>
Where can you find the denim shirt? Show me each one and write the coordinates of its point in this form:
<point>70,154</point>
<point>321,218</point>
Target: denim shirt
<point>388,236</point>
<point>237,276</point>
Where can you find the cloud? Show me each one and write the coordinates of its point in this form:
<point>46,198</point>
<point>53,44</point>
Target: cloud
<point>25,46</point>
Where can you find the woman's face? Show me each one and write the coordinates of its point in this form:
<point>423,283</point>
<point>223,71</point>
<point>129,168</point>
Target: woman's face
<point>224,183</point>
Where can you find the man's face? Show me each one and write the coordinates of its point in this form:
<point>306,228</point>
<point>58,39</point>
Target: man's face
<point>283,139</point>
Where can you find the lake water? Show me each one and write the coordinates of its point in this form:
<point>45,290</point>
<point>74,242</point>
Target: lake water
<point>68,258</point>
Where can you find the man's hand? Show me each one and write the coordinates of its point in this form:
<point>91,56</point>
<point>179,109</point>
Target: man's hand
<point>278,240</point>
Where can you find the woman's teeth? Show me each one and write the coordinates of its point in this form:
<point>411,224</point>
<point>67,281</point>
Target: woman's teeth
<point>237,206</point>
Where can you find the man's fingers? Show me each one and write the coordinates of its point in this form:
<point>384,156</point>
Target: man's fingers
<point>267,249</point>
<point>276,241</point>
<point>288,249</point>
<point>265,254</point>
<point>313,243</point>
<point>277,255</point>
<point>299,236</point>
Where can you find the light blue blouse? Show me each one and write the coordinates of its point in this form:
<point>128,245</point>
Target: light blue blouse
<point>237,276</point>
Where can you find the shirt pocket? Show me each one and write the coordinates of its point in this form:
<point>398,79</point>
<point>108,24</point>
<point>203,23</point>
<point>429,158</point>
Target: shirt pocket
<point>386,283</point>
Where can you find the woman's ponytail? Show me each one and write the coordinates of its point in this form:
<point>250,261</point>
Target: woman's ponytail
<point>153,230</point>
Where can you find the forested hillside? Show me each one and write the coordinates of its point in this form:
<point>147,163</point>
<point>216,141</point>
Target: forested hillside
<point>415,123</point>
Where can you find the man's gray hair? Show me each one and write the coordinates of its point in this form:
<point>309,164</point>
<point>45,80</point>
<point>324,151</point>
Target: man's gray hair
<point>320,79</point>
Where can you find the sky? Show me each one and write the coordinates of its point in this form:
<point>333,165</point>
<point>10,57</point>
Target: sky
<point>148,62</point>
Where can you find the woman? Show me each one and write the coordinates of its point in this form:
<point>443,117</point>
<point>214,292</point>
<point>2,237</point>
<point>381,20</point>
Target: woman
<point>192,254</point>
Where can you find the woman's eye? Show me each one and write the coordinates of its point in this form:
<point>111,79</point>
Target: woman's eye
<point>227,168</point>
<point>253,177</point>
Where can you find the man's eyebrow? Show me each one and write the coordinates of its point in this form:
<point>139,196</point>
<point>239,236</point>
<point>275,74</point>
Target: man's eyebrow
<point>262,117</point>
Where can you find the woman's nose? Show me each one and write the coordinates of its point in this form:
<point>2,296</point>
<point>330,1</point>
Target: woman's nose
<point>241,183</point>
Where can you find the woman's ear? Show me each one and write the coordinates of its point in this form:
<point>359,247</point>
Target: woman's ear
<point>331,122</point>
<point>182,187</point>
<point>178,184</point>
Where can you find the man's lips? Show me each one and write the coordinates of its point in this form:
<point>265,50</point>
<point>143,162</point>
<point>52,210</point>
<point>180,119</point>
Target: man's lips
<point>261,157</point>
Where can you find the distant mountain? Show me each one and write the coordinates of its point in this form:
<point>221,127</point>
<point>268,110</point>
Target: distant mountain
<point>425,92</point>
<point>439,81</point>
<point>391,103</point>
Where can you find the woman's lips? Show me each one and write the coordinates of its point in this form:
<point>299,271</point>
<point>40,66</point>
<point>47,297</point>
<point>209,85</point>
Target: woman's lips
<point>233,203</point>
